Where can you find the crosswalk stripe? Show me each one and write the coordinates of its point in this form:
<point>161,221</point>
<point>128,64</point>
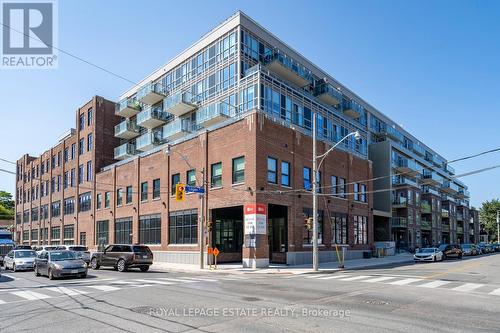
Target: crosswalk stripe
<point>380,279</point>
<point>2,302</point>
<point>333,277</point>
<point>30,295</point>
<point>155,281</point>
<point>354,278</point>
<point>123,282</point>
<point>434,284</point>
<point>177,280</point>
<point>67,291</point>
<point>104,288</point>
<point>314,276</point>
<point>200,279</point>
<point>404,282</point>
<point>468,287</point>
<point>495,292</point>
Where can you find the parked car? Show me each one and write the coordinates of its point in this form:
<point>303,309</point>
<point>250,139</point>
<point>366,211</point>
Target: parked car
<point>468,249</point>
<point>496,247</point>
<point>55,264</point>
<point>22,247</point>
<point>428,254</point>
<point>489,248</point>
<point>42,248</point>
<point>20,260</point>
<point>80,250</point>
<point>451,251</point>
<point>123,257</point>
<point>481,249</point>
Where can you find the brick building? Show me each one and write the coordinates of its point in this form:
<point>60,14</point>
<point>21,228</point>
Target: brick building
<point>232,114</point>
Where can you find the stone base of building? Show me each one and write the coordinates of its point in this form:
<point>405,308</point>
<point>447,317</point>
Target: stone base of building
<point>255,263</point>
<point>178,257</point>
<point>302,258</point>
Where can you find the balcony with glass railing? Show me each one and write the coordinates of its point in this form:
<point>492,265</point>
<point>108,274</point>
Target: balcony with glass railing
<point>288,68</point>
<point>449,198</point>
<point>406,166</point>
<point>445,227</point>
<point>449,187</point>
<point>425,207</point>
<point>127,129</point>
<point>127,108</point>
<point>426,225</point>
<point>179,103</point>
<point>392,133</point>
<point>448,168</point>
<point>399,222</point>
<point>418,149</point>
<point>463,193</point>
<point>152,117</point>
<point>151,93</point>
<point>445,213</point>
<point>328,93</point>
<point>403,181</point>
<point>430,190</point>
<point>460,230</point>
<point>175,129</point>
<point>212,114</point>
<point>460,216</point>
<point>431,178</point>
<point>352,109</point>
<point>400,202</point>
<point>148,141</point>
<point>124,151</point>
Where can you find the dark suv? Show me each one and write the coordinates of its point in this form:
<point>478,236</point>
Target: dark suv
<point>451,251</point>
<point>122,257</point>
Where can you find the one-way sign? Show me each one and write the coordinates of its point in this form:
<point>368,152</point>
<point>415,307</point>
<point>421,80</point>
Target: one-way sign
<point>194,189</point>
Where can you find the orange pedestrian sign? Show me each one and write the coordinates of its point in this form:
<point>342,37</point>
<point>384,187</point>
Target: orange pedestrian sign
<point>216,251</point>
<point>209,250</point>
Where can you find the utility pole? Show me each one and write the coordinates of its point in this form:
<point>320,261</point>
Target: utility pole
<point>498,226</point>
<point>315,199</point>
<point>202,219</point>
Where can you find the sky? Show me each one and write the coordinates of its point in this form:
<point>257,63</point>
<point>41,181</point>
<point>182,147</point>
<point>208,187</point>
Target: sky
<point>432,66</point>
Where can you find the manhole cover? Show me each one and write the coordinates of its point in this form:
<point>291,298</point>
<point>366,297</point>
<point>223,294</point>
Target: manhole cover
<point>376,302</point>
<point>251,299</point>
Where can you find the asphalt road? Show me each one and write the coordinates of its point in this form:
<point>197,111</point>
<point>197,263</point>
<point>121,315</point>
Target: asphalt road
<point>450,296</point>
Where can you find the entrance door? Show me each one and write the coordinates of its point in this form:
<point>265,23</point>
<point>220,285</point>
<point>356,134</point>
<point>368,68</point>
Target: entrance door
<point>227,234</point>
<point>277,233</point>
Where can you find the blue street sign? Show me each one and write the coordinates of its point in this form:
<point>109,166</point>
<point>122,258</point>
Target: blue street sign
<point>194,189</point>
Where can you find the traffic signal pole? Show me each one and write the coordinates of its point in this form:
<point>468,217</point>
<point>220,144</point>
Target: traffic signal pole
<point>498,226</point>
<point>202,221</point>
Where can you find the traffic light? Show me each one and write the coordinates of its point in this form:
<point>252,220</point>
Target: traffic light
<point>209,225</point>
<point>308,223</point>
<point>179,192</point>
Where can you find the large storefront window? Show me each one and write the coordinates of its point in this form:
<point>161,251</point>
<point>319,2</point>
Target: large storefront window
<point>308,234</point>
<point>339,228</point>
<point>102,232</point>
<point>229,235</point>
<point>150,229</point>
<point>360,229</point>
<point>183,227</point>
<point>123,230</point>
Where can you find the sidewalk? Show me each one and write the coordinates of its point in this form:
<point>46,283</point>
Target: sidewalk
<point>325,267</point>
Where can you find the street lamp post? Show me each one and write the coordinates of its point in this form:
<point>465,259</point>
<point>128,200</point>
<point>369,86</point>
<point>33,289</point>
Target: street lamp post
<point>316,168</point>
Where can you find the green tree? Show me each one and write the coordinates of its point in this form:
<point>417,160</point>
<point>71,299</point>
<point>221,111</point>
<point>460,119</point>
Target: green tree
<point>6,200</point>
<point>488,216</point>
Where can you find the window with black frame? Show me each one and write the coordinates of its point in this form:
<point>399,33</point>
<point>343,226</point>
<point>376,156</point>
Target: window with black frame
<point>308,234</point>
<point>150,229</point>
<point>339,228</point>
<point>360,229</point>
<point>102,232</point>
<point>123,230</point>
<point>238,170</point>
<point>183,227</point>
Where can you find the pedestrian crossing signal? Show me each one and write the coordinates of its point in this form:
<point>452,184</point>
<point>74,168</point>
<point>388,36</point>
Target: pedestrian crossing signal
<point>308,223</point>
<point>180,190</point>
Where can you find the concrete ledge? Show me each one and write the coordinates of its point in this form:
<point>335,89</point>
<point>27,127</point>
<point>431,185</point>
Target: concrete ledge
<point>255,263</point>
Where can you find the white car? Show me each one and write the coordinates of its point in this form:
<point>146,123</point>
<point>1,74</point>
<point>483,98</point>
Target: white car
<point>42,248</point>
<point>20,260</point>
<point>428,254</point>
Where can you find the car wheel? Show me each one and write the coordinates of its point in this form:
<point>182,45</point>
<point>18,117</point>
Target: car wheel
<point>51,276</point>
<point>435,259</point>
<point>444,257</point>
<point>13,267</point>
<point>121,266</point>
<point>94,264</point>
<point>144,268</point>
<point>36,272</point>
<point>460,256</point>
<point>83,276</point>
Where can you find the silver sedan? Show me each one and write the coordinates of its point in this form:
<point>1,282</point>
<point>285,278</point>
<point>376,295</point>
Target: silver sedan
<point>20,260</point>
<point>55,264</point>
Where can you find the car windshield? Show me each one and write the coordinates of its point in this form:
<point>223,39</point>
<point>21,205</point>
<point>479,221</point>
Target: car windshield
<point>466,246</point>
<point>62,255</point>
<point>141,249</point>
<point>78,248</point>
<point>429,250</point>
<point>5,236</point>
<point>25,254</point>
<point>442,247</point>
